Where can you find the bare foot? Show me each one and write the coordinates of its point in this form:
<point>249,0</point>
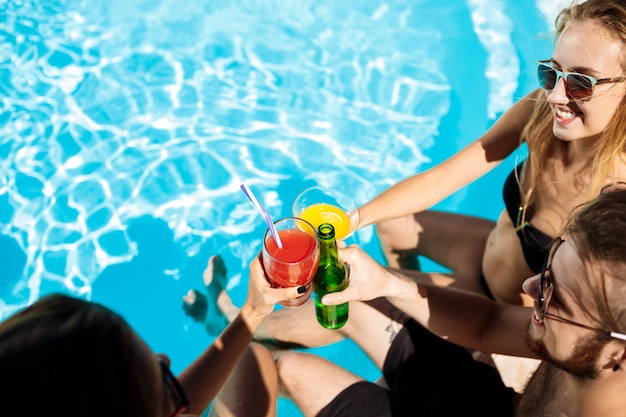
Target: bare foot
<point>190,297</point>
<point>215,270</point>
<point>195,305</point>
<point>204,308</point>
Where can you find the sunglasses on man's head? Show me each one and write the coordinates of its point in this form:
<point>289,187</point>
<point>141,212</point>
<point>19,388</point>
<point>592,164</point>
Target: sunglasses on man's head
<point>578,87</point>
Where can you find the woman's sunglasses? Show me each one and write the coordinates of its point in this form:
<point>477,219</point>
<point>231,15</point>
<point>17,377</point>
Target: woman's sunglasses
<point>578,87</point>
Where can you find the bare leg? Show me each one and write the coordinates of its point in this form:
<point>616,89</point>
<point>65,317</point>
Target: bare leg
<point>311,381</point>
<point>399,239</point>
<point>452,240</point>
<point>371,325</point>
<point>296,327</point>
<point>251,389</point>
<point>202,308</point>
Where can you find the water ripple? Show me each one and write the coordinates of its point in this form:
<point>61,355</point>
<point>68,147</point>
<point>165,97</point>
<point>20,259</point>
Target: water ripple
<point>121,109</point>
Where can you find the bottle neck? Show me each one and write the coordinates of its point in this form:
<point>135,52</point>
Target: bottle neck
<point>328,244</point>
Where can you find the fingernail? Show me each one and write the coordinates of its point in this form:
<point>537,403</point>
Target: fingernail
<point>301,289</point>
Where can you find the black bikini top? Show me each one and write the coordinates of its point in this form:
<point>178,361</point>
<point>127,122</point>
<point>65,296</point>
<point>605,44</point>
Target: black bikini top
<point>535,243</point>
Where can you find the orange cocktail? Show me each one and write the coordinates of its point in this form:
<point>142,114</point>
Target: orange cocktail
<point>319,205</point>
<point>294,264</point>
<point>320,213</point>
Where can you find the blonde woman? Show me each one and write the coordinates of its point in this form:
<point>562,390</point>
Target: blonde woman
<point>575,131</point>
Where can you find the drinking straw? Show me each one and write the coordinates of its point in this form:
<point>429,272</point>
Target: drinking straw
<point>270,224</point>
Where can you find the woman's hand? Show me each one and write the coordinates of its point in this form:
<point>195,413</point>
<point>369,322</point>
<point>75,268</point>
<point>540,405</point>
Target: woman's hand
<point>261,296</point>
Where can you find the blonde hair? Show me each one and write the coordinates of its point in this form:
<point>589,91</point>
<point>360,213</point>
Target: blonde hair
<point>537,133</point>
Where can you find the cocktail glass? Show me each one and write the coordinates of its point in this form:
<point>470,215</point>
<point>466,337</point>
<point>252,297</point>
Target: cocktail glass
<point>295,264</point>
<point>321,204</point>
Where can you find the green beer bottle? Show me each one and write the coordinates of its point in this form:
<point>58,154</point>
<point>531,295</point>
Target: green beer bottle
<point>330,277</point>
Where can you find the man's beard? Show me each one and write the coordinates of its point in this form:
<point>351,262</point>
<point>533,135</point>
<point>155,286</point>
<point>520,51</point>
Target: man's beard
<point>583,361</point>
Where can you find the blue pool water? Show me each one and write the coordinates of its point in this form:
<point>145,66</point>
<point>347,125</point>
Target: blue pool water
<point>127,126</point>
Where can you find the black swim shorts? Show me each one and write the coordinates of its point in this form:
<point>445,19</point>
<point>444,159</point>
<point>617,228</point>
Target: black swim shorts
<point>427,376</point>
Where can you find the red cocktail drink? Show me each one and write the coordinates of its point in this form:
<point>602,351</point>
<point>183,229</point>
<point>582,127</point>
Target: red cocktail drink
<point>295,263</point>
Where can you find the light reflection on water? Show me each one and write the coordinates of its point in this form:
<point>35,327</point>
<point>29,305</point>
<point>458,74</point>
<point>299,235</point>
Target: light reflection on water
<point>129,125</point>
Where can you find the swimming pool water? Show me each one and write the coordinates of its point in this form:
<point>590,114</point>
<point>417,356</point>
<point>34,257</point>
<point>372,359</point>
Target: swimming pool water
<point>127,126</point>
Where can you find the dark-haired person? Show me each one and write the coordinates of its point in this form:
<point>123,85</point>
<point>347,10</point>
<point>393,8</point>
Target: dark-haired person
<point>70,357</point>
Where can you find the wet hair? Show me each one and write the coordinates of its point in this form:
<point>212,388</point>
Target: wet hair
<point>70,357</point>
<point>611,15</point>
<point>597,230</point>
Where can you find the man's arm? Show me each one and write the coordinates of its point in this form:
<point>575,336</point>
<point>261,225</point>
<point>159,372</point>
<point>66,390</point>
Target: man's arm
<point>464,318</point>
